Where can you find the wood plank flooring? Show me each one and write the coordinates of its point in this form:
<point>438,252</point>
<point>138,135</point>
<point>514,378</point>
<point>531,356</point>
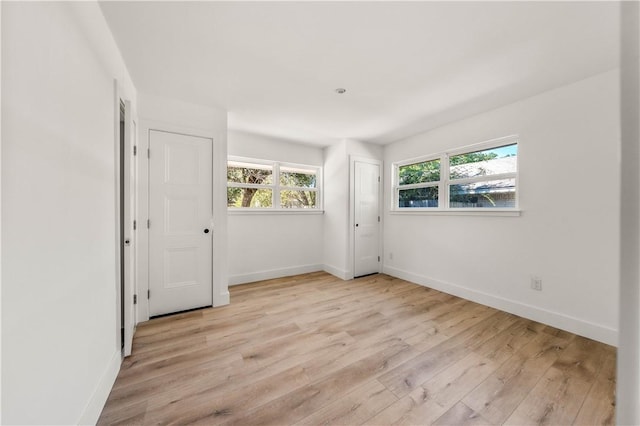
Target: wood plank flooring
<point>316,350</point>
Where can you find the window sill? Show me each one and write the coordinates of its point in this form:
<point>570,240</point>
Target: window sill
<point>458,212</point>
<point>240,212</point>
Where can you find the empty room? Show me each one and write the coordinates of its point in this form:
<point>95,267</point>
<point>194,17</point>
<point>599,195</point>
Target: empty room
<point>312,213</point>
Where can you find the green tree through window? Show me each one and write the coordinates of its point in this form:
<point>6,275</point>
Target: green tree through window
<point>243,197</point>
<point>253,185</point>
<point>474,179</point>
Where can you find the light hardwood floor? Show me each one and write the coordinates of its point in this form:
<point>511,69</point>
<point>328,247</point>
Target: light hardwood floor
<point>315,350</point>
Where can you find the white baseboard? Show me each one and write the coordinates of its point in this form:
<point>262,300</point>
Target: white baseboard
<point>222,299</point>
<point>93,409</point>
<point>336,272</point>
<point>273,273</point>
<point>555,319</point>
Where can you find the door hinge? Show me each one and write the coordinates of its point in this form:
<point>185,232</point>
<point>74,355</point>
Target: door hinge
<point>148,153</point>
<point>135,225</point>
<point>378,178</point>
<point>135,150</point>
<point>378,218</point>
<point>135,299</point>
<point>148,294</point>
<point>148,224</point>
<point>378,258</point>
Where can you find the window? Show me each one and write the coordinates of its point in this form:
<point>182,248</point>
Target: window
<point>256,184</point>
<point>483,176</point>
<point>419,184</point>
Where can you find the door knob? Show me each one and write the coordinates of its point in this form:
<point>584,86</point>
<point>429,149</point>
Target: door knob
<point>356,225</point>
<point>206,231</point>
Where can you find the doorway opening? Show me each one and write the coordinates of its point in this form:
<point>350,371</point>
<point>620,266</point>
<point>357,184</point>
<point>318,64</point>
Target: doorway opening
<point>121,192</point>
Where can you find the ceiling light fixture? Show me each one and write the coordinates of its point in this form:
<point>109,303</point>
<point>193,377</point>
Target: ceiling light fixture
<point>340,90</point>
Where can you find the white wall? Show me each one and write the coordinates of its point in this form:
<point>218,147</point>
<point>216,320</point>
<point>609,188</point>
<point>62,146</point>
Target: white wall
<point>275,244</point>
<point>251,145</point>
<point>363,149</point>
<point>0,217</point>
<point>336,210</point>
<point>60,355</point>
<point>337,256</point>
<point>628,380</point>
<point>181,117</point>
<point>568,230</point>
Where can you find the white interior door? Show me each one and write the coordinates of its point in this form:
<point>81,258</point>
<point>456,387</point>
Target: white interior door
<point>128,177</point>
<point>366,218</point>
<point>180,228</point>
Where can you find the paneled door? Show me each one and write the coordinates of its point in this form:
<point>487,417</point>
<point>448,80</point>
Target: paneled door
<point>366,209</point>
<point>180,226</point>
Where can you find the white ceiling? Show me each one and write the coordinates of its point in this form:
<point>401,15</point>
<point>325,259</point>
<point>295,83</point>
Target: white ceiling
<point>407,66</point>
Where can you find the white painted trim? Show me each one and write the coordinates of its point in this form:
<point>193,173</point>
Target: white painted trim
<point>337,272</point>
<point>93,409</point>
<point>239,211</point>
<point>565,322</point>
<point>273,273</point>
<point>118,96</point>
<point>134,216</point>
<point>0,214</point>
<point>628,364</point>
<point>221,299</point>
<point>129,233</point>
<point>142,213</point>
<point>481,146</point>
<point>457,212</point>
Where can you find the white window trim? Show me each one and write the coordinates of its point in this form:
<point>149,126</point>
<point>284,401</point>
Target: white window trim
<point>277,188</point>
<point>241,211</point>
<point>445,182</point>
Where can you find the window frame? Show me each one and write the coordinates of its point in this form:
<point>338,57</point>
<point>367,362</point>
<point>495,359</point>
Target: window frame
<point>397,187</point>
<point>445,182</point>
<point>276,187</point>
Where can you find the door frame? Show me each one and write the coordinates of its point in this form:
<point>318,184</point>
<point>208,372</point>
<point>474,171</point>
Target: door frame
<point>125,304</point>
<point>220,291</point>
<point>352,224</point>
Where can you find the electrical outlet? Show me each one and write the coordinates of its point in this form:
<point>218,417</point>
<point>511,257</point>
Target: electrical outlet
<point>536,283</point>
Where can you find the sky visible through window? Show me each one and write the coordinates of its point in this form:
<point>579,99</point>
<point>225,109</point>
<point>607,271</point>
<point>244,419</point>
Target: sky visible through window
<point>504,151</point>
